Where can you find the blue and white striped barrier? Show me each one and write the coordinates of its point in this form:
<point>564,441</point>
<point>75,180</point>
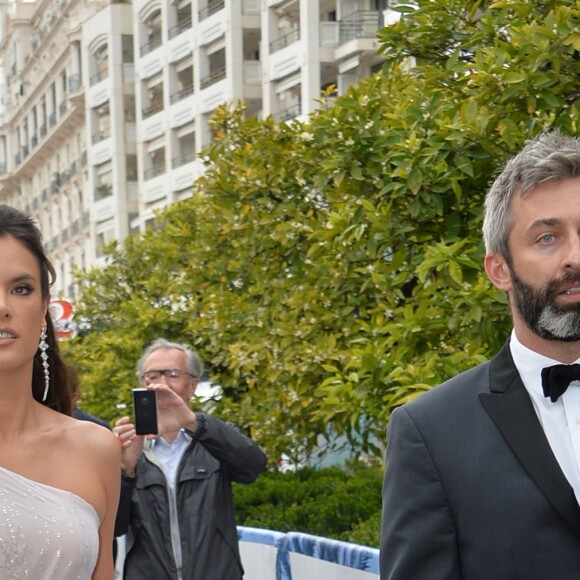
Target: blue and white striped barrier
<point>270,555</point>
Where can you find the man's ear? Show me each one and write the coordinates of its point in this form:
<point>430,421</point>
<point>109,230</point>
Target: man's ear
<point>498,271</point>
<point>195,384</point>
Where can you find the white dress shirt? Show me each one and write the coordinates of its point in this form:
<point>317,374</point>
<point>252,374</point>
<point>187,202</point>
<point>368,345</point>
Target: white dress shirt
<point>170,454</point>
<point>560,420</point>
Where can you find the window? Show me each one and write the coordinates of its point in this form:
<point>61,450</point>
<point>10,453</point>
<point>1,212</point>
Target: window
<point>127,49</point>
<point>100,62</point>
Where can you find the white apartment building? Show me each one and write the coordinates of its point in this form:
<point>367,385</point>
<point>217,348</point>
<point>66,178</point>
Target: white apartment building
<point>105,106</point>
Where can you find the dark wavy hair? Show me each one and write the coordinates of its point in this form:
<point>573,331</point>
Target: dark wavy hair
<point>22,228</point>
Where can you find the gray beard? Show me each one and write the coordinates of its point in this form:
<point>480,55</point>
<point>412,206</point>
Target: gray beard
<point>563,326</point>
<point>538,308</point>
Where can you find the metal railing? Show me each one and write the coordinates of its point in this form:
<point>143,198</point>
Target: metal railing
<point>101,135</point>
<point>181,94</point>
<point>213,77</point>
<point>152,109</point>
<point>183,159</point>
<point>212,8</point>
<point>98,77</point>
<point>151,45</point>
<point>154,172</point>
<point>74,83</point>
<point>363,24</point>
<point>179,28</point>
<point>284,41</point>
<point>290,113</point>
<point>102,191</point>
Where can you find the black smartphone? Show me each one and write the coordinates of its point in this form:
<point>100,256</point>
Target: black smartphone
<point>145,411</point>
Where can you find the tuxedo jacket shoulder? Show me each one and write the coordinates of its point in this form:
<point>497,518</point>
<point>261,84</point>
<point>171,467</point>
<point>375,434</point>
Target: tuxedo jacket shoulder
<point>472,489</point>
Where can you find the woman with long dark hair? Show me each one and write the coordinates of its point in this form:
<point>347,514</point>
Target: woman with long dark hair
<point>59,477</point>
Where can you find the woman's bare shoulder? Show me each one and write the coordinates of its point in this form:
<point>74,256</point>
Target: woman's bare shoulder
<point>91,436</point>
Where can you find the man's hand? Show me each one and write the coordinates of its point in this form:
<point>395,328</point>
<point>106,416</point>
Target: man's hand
<point>131,445</point>
<point>173,413</point>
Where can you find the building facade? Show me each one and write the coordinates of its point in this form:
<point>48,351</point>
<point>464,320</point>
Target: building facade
<point>106,106</point>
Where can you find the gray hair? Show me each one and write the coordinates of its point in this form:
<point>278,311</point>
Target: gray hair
<point>549,156</point>
<point>193,361</point>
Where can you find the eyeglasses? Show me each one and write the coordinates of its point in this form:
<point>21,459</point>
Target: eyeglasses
<point>171,374</point>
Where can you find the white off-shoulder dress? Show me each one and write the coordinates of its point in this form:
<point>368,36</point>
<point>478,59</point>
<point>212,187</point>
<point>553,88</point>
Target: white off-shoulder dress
<point>45,532</point>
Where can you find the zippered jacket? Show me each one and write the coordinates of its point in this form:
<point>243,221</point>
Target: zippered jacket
<point>217,455</point>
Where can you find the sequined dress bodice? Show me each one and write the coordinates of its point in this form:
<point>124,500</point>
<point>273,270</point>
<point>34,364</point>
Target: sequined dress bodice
<point>45,532</point>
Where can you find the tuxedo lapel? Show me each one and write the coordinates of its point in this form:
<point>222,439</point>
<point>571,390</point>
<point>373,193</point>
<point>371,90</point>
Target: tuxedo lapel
<point>509,406</point>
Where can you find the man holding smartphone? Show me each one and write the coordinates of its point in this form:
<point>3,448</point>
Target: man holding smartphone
<point>176,502</point>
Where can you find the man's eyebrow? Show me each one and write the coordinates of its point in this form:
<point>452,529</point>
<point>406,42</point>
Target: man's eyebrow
<point>546,222</point>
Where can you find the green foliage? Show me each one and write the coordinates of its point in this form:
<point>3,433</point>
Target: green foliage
<point>331,502</point>
<point>329,271</point>
<point>368,532</point>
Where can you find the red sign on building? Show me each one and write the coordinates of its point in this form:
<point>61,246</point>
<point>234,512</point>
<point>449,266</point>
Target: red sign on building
<point>62,314</point>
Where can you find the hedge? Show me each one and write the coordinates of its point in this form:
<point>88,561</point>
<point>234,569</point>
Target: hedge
<point>333,502</point>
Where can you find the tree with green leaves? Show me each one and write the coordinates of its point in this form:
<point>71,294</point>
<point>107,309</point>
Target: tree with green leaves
<point>329,270</point>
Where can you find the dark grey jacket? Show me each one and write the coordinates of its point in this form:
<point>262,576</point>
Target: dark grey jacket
<point>472,488</point>
<point>217,455</point>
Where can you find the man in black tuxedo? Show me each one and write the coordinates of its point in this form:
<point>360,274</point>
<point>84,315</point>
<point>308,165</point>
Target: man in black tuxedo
<point>483,472</point>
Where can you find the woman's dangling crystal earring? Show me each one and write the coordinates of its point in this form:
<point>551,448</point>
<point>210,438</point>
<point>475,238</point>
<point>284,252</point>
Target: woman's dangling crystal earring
<point>43,346</point>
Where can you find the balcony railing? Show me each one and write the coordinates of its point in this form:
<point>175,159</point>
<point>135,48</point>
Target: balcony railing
<point>213,77</point>
<point>98,77</point>
<point>181,94</point>
<point>212,8</point>
<point>181,27</point>
<point>101,135</point>
<point>74,83</point>
<point>290,113</point>
<point>102,191</point>
<point>251,6</point>
<point>183,159</point>
<point>152,109</point>
<point>151,45</point>
<point>154,172</point>
<point>252,72</point>
<point>363,24</point>
<point>284,41</point>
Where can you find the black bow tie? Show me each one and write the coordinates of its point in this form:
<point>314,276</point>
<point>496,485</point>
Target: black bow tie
<point>556,379</point>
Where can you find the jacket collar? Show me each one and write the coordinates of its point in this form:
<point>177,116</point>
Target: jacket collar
<point>509,406</point>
